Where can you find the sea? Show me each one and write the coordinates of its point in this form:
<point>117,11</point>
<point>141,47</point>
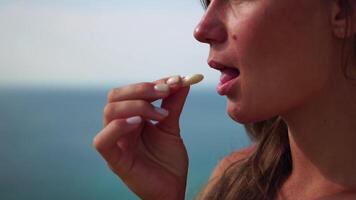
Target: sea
<point>46,138</point>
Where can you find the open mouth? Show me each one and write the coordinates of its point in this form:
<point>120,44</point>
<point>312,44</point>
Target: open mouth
<point>228,74</point>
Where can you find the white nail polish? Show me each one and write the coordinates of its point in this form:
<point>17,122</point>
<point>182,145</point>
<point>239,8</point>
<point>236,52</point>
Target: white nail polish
<point>134,120</point>
<point>162,111</point>
<point>161,87</point>
<point>173,80</point>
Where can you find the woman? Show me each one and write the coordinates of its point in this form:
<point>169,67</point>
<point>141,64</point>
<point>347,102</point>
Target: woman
<point>288,69</point>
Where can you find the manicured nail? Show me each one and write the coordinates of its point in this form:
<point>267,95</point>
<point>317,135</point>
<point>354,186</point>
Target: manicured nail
<point>173,80</point>
<point>134,120</point>
<point>162,111</point>
<point>161,87</point>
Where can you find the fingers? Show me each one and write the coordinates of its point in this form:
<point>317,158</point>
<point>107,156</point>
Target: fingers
<point>106,140</point>
<point>135,99</point>
<point>149,91</point>
<point>174,104</point>
<point>125,109</point>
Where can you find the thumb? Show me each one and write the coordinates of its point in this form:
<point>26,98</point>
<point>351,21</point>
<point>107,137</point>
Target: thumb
<point>174,104</point>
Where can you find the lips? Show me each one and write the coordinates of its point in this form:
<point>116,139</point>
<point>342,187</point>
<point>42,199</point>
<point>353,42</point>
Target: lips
<point>228,76</point>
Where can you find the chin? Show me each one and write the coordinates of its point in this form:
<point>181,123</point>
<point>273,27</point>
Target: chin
<point>240,114</point>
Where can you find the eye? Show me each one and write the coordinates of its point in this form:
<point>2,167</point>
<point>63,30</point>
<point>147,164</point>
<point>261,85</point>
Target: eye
<point>205,3</point>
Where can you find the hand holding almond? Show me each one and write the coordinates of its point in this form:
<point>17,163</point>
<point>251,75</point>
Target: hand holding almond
<point>150,158</point>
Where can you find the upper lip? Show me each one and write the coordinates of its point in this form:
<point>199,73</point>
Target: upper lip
<point>218,65</point>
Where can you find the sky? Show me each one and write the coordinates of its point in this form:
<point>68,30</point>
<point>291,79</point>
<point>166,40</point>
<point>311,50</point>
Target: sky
<point>98,42</point>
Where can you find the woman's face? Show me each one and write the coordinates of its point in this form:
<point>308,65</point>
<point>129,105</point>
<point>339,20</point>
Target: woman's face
<point>281,48</point>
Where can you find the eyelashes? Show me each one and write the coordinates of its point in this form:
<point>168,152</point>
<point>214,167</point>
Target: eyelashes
<point>205,3</point>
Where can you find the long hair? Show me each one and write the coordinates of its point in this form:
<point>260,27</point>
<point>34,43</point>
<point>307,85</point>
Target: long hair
<point>261,175</point>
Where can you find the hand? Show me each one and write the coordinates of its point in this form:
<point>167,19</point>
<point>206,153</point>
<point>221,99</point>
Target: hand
<point>150,158</point>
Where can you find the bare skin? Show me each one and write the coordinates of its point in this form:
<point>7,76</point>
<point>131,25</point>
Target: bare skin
<point>146,156</point>
<point>288,55</point>
<point>322,136</point>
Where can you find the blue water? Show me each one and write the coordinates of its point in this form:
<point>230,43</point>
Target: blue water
<point>46,143</point>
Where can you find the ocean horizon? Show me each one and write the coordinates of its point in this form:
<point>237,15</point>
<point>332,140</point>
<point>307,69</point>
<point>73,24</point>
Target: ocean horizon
<point>46,143</point>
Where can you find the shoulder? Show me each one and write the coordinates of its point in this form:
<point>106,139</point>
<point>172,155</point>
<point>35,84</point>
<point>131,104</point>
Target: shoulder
<point>232,158</point>
<point>223,165</point>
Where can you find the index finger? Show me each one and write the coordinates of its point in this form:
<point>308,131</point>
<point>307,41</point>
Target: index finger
<point>149,91</point>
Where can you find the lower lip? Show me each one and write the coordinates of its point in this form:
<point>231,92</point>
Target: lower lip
<point>226,88</point>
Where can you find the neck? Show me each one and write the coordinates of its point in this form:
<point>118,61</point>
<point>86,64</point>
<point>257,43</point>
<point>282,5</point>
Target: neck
<point>322,138</point>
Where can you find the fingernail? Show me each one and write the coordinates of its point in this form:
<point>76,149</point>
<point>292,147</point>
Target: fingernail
<point>161,87</point>
<point>162,111</point>
<point>134,120</point>
<point>173,80</point>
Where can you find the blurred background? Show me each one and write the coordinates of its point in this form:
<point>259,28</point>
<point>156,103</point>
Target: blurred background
<point>58,60</point>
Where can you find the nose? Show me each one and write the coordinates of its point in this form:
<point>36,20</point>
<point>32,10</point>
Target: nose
<point>211,28</point>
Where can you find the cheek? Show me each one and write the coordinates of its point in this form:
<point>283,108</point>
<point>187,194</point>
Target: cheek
<point>279,69</point>
<point>261,97</point>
